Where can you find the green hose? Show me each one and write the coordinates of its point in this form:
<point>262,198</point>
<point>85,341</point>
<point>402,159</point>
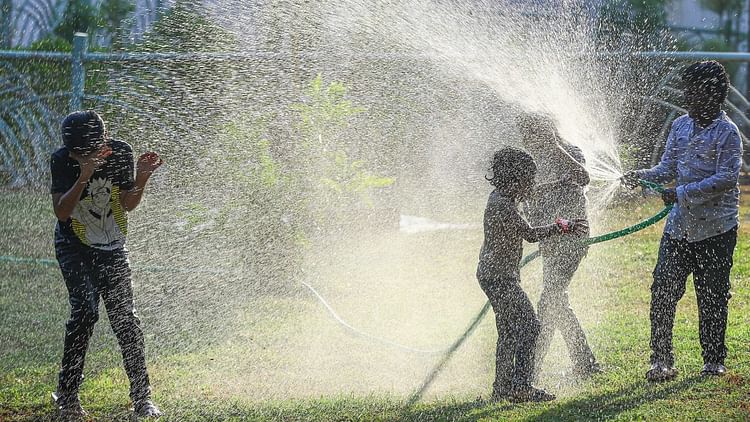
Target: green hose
<point>475,322</point>
<point>629,230</point>
<point>651,185</point>
<point>528,258</point>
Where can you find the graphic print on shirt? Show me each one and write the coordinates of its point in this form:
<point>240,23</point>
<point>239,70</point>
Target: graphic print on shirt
<point>99,219</point>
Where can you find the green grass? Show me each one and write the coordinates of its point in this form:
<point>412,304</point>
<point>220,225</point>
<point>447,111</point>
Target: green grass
<point>201,344</point>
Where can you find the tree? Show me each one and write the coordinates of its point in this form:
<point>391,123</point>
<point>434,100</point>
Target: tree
<point>83,16</point>
<point>729,12</point>
<point>634,24</point>
<point>79,16</point>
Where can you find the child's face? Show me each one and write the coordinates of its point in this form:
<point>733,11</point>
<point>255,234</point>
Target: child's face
<point>102,149</point>
<point>699,96</point>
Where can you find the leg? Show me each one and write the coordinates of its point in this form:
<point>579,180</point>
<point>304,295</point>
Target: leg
<point>117,293</point>
<point>673,266</point>
<point>84,312</point>
<point>524,327</point>
<point>547,309</point>
<point>554,307</point>
<point>572,332</point>
<point>506,343</point>
<point>504,355</point>
<point>712,286</point>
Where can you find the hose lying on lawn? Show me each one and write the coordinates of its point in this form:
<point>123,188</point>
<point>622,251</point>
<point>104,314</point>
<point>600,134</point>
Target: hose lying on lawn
<point>528,258</point>
<point>448,351</point>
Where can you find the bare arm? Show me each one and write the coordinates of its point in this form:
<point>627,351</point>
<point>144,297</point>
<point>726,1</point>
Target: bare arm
<point>535,234</point>
<point>65,203</point>
<point>147,164</point>
<point>529,233</point>
<point>131,198</point>
<point>560,227</point>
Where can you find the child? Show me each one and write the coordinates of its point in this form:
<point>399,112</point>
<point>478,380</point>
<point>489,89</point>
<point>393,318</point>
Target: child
<point>559,192</point>
<point>92,191</point>
<point>703,154</point>
<point>499,273</point>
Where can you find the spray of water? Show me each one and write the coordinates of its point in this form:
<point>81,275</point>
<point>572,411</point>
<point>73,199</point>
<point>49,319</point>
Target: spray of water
<point>470,68</point>
<point>275,176</point>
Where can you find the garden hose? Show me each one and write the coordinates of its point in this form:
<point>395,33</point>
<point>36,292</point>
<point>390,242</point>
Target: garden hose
<point>528,258</point>
<point>450,350</point>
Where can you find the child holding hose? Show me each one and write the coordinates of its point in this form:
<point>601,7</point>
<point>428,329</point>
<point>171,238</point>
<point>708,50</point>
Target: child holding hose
<point>559,192</point>
<point>703,155</point>
<point>498,272</point>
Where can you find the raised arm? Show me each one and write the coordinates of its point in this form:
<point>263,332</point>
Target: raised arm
<point>64,203</point>
<point>147,164</point>
<point>572,162</point>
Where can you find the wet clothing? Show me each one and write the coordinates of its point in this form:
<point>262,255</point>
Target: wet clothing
<point>90,249</point>
<point>560,187</point>
<point>561,193</point>
<point>710,261</point>
<point>700,234</point>
<point>499,276</point>
<point>504,232</point>
<point>706,163</point>
<point>554,310</point>
<point>98,221</point>
<point>91,274</point>
<point>517,330</point>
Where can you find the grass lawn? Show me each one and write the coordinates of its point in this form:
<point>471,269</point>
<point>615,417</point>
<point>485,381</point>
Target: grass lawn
<point>219,352</point>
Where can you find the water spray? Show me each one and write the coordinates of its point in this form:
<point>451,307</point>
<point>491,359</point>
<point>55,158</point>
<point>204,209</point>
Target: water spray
<point>528,258</point>
<point>447,352</point>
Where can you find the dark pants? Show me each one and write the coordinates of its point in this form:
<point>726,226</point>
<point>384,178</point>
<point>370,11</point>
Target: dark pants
<point>710,262</point>
<point>561,260</point>
<point>89,274</point>
<point>517,330</point>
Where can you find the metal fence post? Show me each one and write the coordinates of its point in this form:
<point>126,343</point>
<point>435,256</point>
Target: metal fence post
<point>6,7</point>
<point>80,45</point>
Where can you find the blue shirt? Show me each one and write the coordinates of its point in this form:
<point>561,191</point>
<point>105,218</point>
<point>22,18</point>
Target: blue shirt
<point>705,162</point>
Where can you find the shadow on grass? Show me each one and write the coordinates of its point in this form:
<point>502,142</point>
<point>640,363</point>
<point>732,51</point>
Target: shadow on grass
<point>603,406</point>
<point>610,404</point>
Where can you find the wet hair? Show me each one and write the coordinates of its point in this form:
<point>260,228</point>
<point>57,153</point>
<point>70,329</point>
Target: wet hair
<point>83,131</point>
<point>511,169</point>
<point>709,75</point>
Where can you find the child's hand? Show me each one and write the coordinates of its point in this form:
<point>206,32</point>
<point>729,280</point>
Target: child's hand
<point>669,196</point>
<point>576,227</point>
<point>148,163</point>
<point>580,227</point>
<point>630,179</point>
<point>90,162</point>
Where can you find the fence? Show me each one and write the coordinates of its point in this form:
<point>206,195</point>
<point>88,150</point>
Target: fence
<point>80,56</point>
<point>18,164</point>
